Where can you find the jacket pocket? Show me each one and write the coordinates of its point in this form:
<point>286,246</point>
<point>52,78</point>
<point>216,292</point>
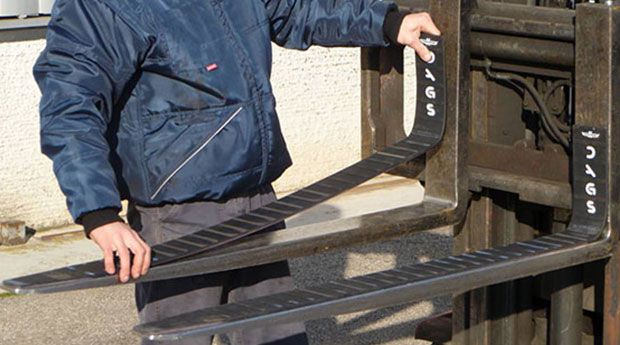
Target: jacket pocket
<point>195,152</point>
<point>183,148</point>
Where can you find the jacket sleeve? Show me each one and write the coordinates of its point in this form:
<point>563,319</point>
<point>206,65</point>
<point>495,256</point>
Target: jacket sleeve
<point>301,23</point>
<point>90,58</point>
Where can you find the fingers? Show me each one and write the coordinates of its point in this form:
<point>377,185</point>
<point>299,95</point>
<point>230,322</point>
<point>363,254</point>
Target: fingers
<point>123,253</point>
<point>138,259</point>
<point>414,25</point>
<point>427,25</point>
<point>120,238</point>
<point>421,50</point>
<point>142,259</point>
<point>147,260</point>
<point>108,261</point>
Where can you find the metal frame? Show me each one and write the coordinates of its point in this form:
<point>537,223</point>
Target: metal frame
<point>598,84</point>
<point>518,39</point>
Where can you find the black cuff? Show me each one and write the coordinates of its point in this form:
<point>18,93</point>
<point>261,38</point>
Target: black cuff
<point>93,220</point>
<point>392,23</point>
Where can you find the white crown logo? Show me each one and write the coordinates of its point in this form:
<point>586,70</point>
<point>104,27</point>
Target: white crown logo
<point>429,42</point>
<point>591,135</point>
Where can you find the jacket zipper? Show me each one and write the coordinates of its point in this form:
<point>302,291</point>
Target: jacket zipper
<point>202,147</point>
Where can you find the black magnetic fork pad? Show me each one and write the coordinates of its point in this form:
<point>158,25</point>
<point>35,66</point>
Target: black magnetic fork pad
<point>382,289</point>
<point>427,133</point>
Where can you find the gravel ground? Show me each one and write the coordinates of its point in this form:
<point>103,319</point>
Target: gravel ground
<point>105,316</point>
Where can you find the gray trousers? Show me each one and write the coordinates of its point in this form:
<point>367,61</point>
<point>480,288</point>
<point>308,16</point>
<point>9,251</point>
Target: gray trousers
<point>166,298</point>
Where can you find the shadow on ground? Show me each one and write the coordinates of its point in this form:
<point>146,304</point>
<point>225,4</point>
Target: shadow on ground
<point>393,325</point>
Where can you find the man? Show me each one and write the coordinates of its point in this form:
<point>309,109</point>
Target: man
<point>167,103</point>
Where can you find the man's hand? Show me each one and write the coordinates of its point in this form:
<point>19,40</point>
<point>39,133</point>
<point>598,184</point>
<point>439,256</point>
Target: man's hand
<point>413,25</point>
<point>119,238</point>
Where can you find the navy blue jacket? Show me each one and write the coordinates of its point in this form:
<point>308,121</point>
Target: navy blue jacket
<point>164,101</point>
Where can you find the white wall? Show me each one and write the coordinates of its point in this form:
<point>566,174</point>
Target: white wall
<point>28,190</point>
<point>318,94</point>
